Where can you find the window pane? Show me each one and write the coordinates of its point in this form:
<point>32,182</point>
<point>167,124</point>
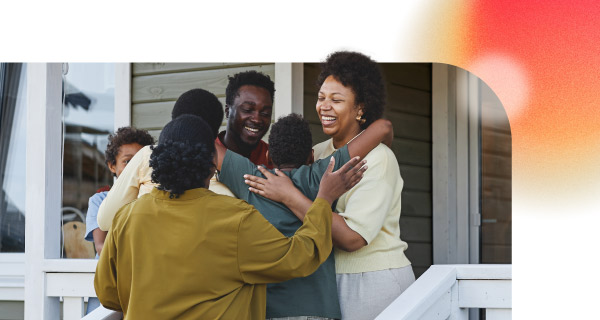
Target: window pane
<point>12,157</point>
<point>88,113</point>
<point>496,180</point>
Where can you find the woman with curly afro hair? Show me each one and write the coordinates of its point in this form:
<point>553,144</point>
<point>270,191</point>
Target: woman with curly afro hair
<point>371,267</point>
<point>183,251</point>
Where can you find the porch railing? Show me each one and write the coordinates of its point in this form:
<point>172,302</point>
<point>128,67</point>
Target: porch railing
<point>443,292</point>
<point>449,291</point>
<point>73,279</point>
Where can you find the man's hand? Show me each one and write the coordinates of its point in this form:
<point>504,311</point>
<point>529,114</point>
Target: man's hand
<point>335,184</point>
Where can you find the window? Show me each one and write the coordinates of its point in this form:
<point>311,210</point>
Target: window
<point>88,119</point>
<point>12,157</point>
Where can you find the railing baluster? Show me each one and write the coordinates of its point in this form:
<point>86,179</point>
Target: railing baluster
<point>498,314</point>
<point>72,308</point>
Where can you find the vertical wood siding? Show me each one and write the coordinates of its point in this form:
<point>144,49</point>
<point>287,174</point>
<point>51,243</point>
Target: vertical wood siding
<point>408,106</point>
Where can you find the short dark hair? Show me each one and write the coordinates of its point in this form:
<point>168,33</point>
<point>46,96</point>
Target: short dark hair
<point>252,78</point>
<point>201,103</point>
<point>183,158</point>
<point>125,135</point>
<point>363,76</point>
<point>290,141</point>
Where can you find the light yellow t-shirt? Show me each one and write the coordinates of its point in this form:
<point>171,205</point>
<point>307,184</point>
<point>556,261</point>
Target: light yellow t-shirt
<point>372,209</point>
<point>135,181</point>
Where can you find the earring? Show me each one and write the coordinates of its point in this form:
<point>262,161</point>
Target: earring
<point>360,119</point>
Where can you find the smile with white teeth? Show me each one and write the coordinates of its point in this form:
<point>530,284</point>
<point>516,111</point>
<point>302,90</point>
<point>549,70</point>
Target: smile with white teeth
<point>251,129</point>
<point>327,118</point>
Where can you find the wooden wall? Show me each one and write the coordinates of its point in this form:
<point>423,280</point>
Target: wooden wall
<point>496,180</point>
<point>409,108</point>
<point>156,86</point>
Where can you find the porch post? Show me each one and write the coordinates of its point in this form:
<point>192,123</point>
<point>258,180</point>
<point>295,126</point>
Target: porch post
<point>442,169</point>
<point>289,89</point>
<point>122,95</point>
<point>452,169</point>
<point>43,184</point>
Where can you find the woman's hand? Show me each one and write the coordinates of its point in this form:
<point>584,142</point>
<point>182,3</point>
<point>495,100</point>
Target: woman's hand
<point>277,187</point>
<point>335,184</point>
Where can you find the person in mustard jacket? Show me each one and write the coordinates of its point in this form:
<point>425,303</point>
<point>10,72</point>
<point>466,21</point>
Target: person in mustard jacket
<point>185,252</point>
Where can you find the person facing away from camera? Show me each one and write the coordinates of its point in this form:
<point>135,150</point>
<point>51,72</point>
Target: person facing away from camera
<point>218,251</point>
<point>290,151</point>
<point>136,178</point>
<point>249,105</point>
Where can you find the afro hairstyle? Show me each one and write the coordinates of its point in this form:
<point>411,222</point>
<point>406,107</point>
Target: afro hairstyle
<point>183,158</point>
<point>125,135</point>
<point>201,103</point>
<point>363,76</point>
<point>290,141</point>
<point>252,78</point>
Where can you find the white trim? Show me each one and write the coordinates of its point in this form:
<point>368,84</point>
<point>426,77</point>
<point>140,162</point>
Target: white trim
<point>474,169</point>
<point>440,169</point>
<point>462,166</point>
<point>70,284</point>
<point>43,184</point>
<point>73,308</point>
<point>455,166</point>
<point>12,279</point>
<point>485,294</point>
<point>69,265</point>
<point>122,95</point>
<point>289,84</point>
<point>298,88</point>
<point>449,291</point>
<point>102,313</point>
<point>498,314</point>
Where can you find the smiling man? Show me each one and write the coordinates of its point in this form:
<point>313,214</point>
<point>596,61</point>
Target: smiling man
<point>248,108</point>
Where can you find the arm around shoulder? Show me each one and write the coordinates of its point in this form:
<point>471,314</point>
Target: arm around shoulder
<point>265,255</point>
<point>126,187</point>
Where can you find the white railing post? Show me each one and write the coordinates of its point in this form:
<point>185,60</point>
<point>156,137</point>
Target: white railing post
<point>72,308</point>
<point>498,314</point>
<point>103,314</point>
<point>42,184</point>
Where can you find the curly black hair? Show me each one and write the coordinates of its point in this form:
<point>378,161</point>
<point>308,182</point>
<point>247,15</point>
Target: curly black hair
<point>363,76</point>
<point>201,103</point>
<point>125,135</point>
<point>183,158</point>
<point>290,141</point>
<point>253,78</point>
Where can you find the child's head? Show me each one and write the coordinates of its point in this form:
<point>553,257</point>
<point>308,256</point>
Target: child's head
<point>203,104</point>
<point>290,142</point>
<point>184,156</point>
<point>123,145</point>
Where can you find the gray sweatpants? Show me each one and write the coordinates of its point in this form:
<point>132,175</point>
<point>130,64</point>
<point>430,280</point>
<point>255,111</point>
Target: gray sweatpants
<point>365,295</point>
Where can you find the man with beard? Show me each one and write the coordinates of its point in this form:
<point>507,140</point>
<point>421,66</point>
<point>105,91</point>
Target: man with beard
<point>248,108</point>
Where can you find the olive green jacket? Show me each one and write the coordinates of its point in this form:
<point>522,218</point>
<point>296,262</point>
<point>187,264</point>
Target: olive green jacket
<point>202,256</point>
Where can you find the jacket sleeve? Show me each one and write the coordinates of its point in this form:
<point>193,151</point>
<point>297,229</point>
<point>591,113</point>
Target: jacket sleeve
<point>126,188</point>
<point>266,256</point>
<point>105,280</point>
